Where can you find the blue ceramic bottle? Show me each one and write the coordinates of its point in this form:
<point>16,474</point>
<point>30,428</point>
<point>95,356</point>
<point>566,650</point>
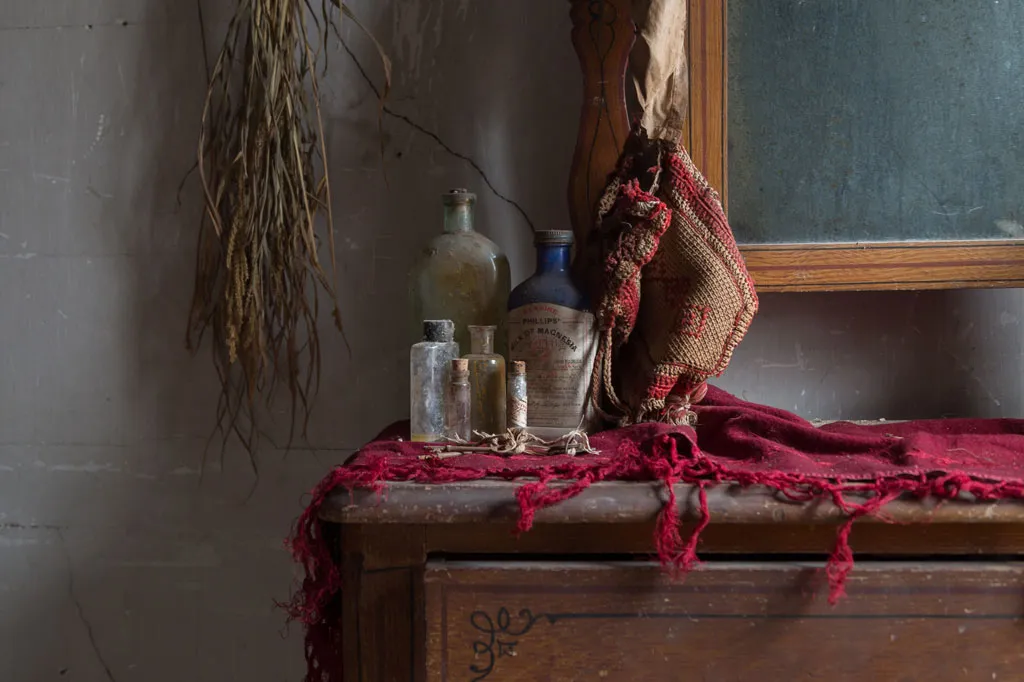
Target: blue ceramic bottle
<point>551,329</point>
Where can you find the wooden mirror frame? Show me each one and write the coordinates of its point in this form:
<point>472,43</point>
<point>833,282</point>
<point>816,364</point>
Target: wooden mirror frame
<point>603,34</point>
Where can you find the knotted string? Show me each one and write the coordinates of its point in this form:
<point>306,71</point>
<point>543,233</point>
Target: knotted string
<point>514,442</point>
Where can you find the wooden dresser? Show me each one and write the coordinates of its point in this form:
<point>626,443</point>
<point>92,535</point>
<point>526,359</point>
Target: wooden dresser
<point>438,588</point>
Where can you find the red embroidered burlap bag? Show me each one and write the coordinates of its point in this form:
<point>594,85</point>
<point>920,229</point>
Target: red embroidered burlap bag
<point>673,295</point>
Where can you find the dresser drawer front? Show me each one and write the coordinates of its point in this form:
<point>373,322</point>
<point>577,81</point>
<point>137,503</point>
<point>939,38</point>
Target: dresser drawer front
<point>532,622</point>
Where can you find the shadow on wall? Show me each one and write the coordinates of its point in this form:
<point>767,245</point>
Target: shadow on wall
<point>483,94</point>
<point>130,568</point>
<point>893,355</point>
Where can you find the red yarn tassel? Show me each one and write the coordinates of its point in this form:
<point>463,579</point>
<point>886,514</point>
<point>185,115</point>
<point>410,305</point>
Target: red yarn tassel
<point>666,532</point>
<point>689,556</point>
<point>324,646</point>
<point>672,551</point>
<point>840,563</point>
<point>533,497</point>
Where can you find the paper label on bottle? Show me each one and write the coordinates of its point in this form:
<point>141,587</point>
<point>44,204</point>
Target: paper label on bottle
<point>558,345</point>
<point>517,412</point>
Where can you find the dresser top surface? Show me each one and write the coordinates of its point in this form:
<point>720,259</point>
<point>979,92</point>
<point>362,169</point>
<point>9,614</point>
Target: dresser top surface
<point>624,502</point>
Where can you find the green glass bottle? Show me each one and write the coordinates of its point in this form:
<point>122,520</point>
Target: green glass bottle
<point>487,382</point>
<point>461,276</point>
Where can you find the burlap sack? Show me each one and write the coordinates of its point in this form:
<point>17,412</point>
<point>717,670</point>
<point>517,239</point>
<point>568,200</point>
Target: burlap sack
<point>674,296</point>
<point>658,68</point>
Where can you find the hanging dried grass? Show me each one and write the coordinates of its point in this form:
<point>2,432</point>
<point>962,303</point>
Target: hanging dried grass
<point>262,164</point>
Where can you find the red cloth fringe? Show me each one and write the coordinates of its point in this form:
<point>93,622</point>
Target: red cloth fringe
<point>740,444</point>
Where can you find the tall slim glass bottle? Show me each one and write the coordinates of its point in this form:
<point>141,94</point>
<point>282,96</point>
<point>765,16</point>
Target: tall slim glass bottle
<point>487,381</point>
<point>430,368</point>
<point>516,400</point>
<point>552,330</point>
<point>460,402</point>
<point>461,276</point>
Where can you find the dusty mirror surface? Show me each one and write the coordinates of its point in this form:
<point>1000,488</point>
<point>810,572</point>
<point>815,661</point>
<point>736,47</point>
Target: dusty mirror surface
<point>875,120</point>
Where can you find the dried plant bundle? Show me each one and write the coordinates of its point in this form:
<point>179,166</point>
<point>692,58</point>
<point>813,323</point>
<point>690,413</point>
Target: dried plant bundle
<point>262,165</point>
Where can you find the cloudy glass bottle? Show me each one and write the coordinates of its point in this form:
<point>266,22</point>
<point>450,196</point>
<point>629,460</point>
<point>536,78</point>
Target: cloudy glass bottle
<point>461,276</point>
<point>430,363</point>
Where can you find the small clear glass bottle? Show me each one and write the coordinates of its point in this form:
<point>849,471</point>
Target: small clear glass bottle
<point>461,275</point>
<point>459,407</point>
<point>430,364</point>
<point>487,381</point>
<point>515,396</point>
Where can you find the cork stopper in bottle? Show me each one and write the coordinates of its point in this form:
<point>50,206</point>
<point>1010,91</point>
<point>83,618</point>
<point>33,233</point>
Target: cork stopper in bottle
<point>460,367</point>
<point>518,368</point>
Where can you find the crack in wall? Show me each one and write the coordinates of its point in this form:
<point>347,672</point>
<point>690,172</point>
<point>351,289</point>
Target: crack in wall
<point>437,138</point>
<point>31,526</point>
<point>390,112</point>
<point>72,593</point>
<point>69,27</point>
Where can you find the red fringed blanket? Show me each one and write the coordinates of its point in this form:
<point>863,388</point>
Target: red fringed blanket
<point>734,442</point>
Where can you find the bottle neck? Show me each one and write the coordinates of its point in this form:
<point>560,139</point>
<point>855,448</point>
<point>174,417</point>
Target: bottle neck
<point>481,343</point>
<point>458,218</point>
<point>553,258</point>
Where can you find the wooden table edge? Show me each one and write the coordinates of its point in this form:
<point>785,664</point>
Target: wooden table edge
<point>622,502</point>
